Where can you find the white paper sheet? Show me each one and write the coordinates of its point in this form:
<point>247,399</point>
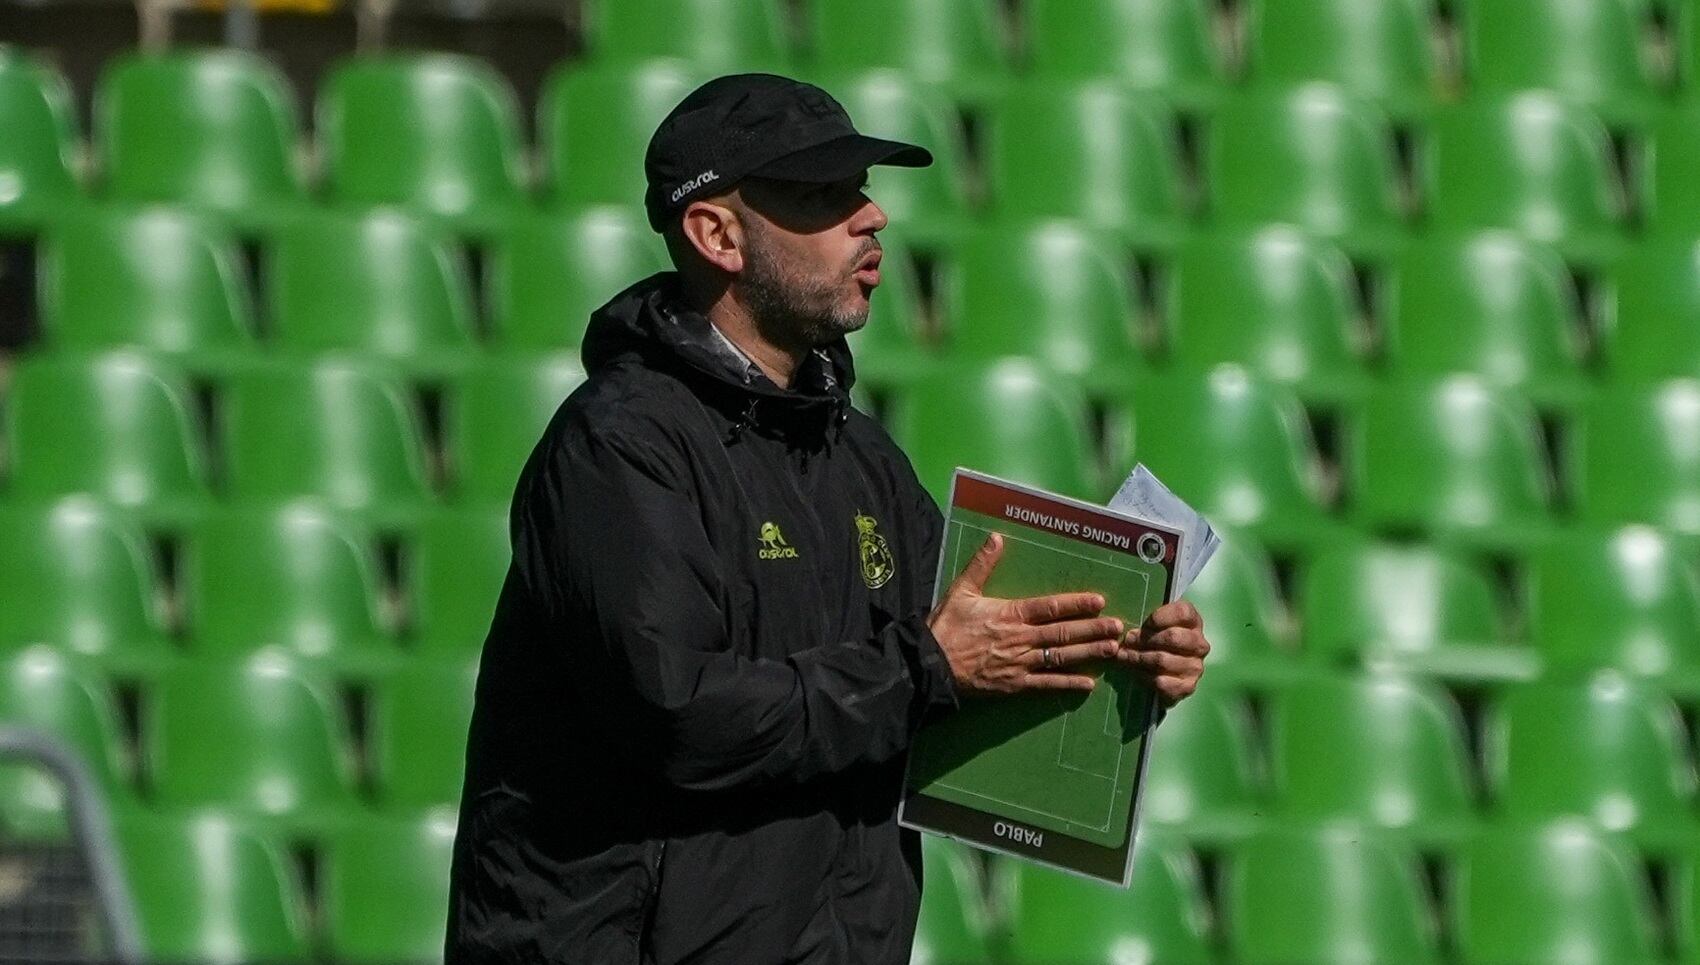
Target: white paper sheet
<point>1143,495</point>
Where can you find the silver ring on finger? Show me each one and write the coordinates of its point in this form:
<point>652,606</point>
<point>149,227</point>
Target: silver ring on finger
<point>1045,657</point>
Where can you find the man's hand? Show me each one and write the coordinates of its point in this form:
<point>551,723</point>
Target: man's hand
<point>1002,646</point>
<point>1171,648</point>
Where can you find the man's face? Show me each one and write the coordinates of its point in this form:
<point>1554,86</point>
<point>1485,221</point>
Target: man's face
<point>811,260</point>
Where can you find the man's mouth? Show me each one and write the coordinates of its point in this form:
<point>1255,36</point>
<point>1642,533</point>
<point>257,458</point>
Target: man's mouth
<point>868,271</point>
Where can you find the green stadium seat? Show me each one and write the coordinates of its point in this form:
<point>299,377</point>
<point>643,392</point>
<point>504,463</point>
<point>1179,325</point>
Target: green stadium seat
<point>889,351</point>
<point>1453,458</point>
<point>157,279</point>
<point>1670,197</point>
<point>1685,28</point>
<point>594,151</point>
<point>386,886</point>
<point>437,133</point>
<point>1384,751</point>
<point>958,45</point>
<point>1381,49</point>
<point>1489,303</point>
<point>1558,893</point>
<point>1167,46</point>
<point>1161,917</point>
<point>1329,895</point>
<point>1608,749</point>
<point>294,577</point>
<point>338,429</point>
<point>1652,317</point>
<point>1110,157</point>
<point>1588,51</point>
<point>43,691</point>
<point>547,274</point>
<point>117,426</point>
<point>952,927</point>
<point>499,409</point>
<point>420,719</point>
<point>1054,291</point>
<point>380,283</point>
<point>1685,902</point>
<point>1237,448</point>
<point>456,569</point>
<point>212,129</point>
<point>929,204</point>
<point>1634,458</point>
<point>209,888</point>
<point>1415,609</point>
<point>78,576</point>
<point>1274,300</point>
<point>1248,625</point>
<point>1011,418</point>
<point>1202,775</point>
<point>1627,600</point>
<point>722,36</point>
<point>1531,162</point>
<point>283,756</point>
<point>1315,156</point>
<point>38,178</point>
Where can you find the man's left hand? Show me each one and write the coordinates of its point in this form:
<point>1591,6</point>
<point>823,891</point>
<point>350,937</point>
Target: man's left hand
<point>1171,648</point>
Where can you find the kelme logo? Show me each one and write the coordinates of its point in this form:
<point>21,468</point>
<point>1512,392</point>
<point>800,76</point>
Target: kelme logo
<point>773,545</point>
<point>877,565</point>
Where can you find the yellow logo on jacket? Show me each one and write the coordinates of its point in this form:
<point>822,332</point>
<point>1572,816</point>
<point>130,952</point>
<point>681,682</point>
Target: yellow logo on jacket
<point>773,545</point>
<point>878,566</point>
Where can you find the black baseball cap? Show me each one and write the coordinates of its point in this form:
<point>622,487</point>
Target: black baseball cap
<point>765,125</point>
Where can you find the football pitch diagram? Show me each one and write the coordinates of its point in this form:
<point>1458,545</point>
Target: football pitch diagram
<point>1064,763</point>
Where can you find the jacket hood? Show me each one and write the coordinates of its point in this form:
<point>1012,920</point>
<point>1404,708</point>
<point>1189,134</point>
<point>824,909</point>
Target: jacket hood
<point>650,323</point>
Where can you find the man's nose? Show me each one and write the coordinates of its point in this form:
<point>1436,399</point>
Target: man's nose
<point>870,218</point>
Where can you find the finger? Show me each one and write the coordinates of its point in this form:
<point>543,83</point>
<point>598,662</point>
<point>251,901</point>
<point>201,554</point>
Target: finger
<point>1071,654</point>
<point>1161,663</point>
<point>981,564</point>
<point>1076,631</point>
<point>1058,606</point>
<point>1058,681</point>
<point>1181,640</point>
<point>1172,690</point>
<point>1177,614</point>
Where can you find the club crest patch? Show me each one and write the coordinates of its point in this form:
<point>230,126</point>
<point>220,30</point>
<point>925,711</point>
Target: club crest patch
<point>878,566</point>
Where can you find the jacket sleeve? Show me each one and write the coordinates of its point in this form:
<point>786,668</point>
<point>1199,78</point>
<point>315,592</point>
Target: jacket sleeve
<point>609,538</point>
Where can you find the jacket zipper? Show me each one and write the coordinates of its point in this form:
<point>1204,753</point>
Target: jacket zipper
<point>647,919</point>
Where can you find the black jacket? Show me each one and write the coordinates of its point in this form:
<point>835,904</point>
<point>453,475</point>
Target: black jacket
<point>707,661</point>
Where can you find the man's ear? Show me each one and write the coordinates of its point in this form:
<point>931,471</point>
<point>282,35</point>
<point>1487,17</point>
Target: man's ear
<point>712,227</point>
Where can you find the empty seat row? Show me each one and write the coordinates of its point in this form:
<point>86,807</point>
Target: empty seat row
<point>1518,892</point>
<point>297,577</point>
<point>262,737</point>
<point>1387,752</point>
<point>1452,456</point>
<point>1274,298</point>
<point>380,283</point>
<point>308,580</point>
<point>438,134</point>
<point>210,885</point>
<point>1393,753</point>
<point>128,428</point>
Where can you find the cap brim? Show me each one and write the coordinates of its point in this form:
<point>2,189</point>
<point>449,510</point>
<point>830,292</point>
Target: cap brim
<point>843,157</point>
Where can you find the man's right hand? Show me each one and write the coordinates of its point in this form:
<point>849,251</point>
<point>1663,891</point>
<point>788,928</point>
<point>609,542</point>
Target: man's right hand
<point>998,646</point>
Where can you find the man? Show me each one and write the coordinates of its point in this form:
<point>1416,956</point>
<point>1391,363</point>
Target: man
<point>694,701</point>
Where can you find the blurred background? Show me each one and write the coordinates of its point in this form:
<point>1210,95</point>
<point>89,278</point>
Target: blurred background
<point>1403,294</point>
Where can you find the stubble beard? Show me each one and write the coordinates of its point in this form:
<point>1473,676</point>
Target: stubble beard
<point>793,310</point>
